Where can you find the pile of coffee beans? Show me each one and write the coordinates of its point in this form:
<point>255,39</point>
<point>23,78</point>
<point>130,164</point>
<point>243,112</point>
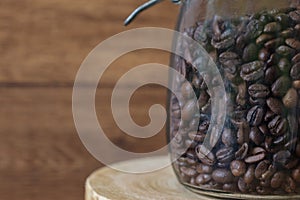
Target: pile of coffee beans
<point>259,150</point>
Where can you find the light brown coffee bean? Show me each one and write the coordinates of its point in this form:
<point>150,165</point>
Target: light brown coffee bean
<point>290,100</point>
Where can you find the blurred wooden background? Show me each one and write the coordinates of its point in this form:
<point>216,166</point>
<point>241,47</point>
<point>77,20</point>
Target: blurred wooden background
<point>42,44</point>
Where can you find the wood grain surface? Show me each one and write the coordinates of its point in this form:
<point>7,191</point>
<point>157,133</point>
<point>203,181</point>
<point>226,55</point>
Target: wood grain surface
<point>42,44</point>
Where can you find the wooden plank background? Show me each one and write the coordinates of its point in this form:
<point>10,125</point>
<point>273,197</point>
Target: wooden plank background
<point>42,44</point>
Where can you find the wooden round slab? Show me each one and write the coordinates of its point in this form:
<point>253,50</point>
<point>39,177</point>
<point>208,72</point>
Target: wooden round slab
<point>109,184</point>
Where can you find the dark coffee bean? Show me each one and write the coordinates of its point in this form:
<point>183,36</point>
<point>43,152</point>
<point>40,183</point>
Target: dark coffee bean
<point>190,143</point>
<point>272,27</point>
<point>273,60</point>
<point>264,129</point>
<point>274,43</point>
<point>208,159</point>
<point>295,72</point>
<point>256,136</point>
<point>261,168</point>
<point>188,171</point>
<point>284,65</point>
<point>204,169</point>
<point>296,58</point>
<point>269,115</point>
<point>242,92</point>
<point>263,38</point>
<point>230,61</point>
<point>278,126</point>
<point>292,163</point>
<point>228,137</point>
<point>243,133</point>
<point>203,178</point>
<point>203,99</point>
<point>258,91</point>
<point>223,44</point>
<point>197,137</point>
<point>295,15</point>
<point>264,54</point>
<point>242,152</point>
<point>283,19</point>
<point>249,174</point>
<point>252,71</point>
<point>295,44</point>
<point>189,110</point>
<point>296,174</point>
<point>230,187</point>
<point>243,187</point>
<point>289,185</point>
<point>277,179</point>
<point>225,155</point>
<point>275,106</point>
<point>250,52</point>
<point>238,168</point>
<point>222,176</point>
<point>290,100</point>
<point>254,29</point>
<point>272,73</point>
<point>281,86</point>
<point>241,42</point>
<point>282,157</point>
<point>266,18</point>
<point>298,149</point>
<point>255,115</point>
<point>285,51</point>
<point>287,33</point>
<point>296,84</point>
<point>256,157</point>
<point>254,101</point>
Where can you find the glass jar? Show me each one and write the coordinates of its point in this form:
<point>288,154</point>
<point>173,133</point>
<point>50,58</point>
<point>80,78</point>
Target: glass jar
<point>256,48</point>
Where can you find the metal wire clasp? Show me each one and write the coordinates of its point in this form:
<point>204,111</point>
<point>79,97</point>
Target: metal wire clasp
<point>143,7</point>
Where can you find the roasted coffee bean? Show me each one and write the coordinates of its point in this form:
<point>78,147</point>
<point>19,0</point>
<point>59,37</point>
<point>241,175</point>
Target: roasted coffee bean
<point>254,29</point>
<point>242,152</point>
<point>295,15</point>
<point>296,174</point>
<point>278,126</point>
<point>282,157</point>
<point>275,105</point>
<point>290,100</point>
<point>283,19</point>
<point>252,71</point>
<point>189,110</point>
<point>264,54</point>
<point>229,137</point>
<point>242,92</point>
<point>274,43</point>
<point>241,42</point>
<point>289,185</point>
<point>225,155</point>
<point>287,33</point>
<point>295,44</point>
<point>243,187</point>
<point>187,90</point>
<point>224,44</point>
<point>203,178</point>
<point>250,53</point>
<point>264,38</point>
<point>266,18</point>
<point>272,27</point>
<point>269,115</point>
<point>296,58</point>
<point>238,168</point>
<point>243,133</point>
<point>222,176</point>
<point>188,171</point>
<point>261,168</point>
<point>277,179</point>
<point>230,61</point>
<point>256,156</point>
<point>197,137</point>
<point>258,91</point>
<point>255,115</point>
<point>230,187</point>
<point>284,65</point>
<point>295,72</point>
<point>272,73</point>
<point>273,60</point>
<point>208,159</point>
<point>255,102</point>
<point>249,174</point>
<point>285,51</point>
<point>204,169</point>
<point>203,99</point>
<point>296,84</point>
<point>256,136</point>
<point>281,86</point>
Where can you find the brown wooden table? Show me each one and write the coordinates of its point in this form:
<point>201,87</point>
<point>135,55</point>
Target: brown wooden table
<point>42,44</point>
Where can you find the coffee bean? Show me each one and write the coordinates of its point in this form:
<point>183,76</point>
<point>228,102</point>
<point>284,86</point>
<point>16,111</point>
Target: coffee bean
<point>188,171</point>
<point>242,152</point>
<point>243,133</point>
<point>287,33</point>
<point>281,86</point>
<point>277,180</point>
<point>225,155</point>
<point>203,178</point>
<point>278,126</point>
<point>263,38</point>
<point>264,54</point>
<point>241,96</point>
<point>238,168</point>
<point>228,137</point>
<point>294,43</point>
<point>254,29</point>
<point>222,176</point>
<point>282,157</point>
<point>243,187</point>
<point>284,65</point>
<point>266,18</point>
<point>273,60</point>
<point>274,43</point>
<point>208,159</point>
<point>249,174</point>
<point>275,106</point>
<point>296,84</point>
<point>269,115</point>
<point>203,99</point>
<point>289,185</point>
<point>189,110</point>
<point>256,157</point>
<point>290,100</point>
<point>285,51</point>
<point>204,169</point>
<point>296,174</point>
<point>271,75</point>
<point>250,52</point>
<point>256,136</point>
<point>255,115</point>
<point>272,27</point>
<point>264,129</point>
<point>295,16</point>
<point>258,91</point>
<point>187,90</point>
<point>230,187</point>
<point>296,58</point>
<point>283,19</point>
<point>252,71</point>
<point>261,168</point>
<point>197,137</point>
<point>295,72</point>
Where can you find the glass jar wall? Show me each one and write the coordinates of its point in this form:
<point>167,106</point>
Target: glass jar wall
<point>256,48</point>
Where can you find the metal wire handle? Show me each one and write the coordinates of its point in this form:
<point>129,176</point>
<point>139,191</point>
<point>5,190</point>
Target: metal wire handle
<point>143,7</point>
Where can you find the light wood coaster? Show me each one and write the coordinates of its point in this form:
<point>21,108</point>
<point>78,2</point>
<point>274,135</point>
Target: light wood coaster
<point>109,184</point>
